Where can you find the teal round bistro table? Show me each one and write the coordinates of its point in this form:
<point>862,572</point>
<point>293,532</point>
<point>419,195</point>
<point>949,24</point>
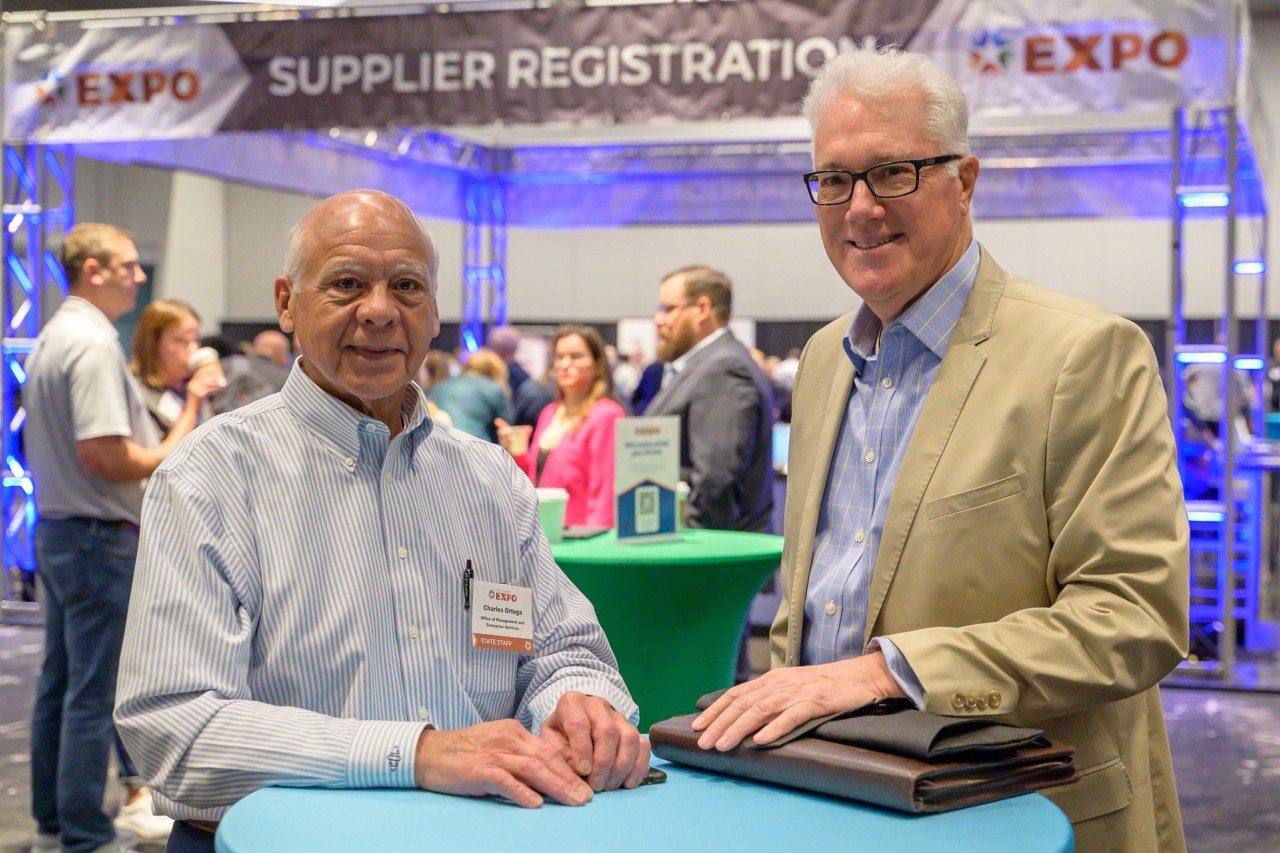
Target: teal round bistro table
<point>692,810</point>
<point>674,611</point>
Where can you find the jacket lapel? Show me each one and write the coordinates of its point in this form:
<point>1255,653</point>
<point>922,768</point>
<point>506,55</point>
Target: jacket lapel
<point>815,452</point>
<point>959,370</point>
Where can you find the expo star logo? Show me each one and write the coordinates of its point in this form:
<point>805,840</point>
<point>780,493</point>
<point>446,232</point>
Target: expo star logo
<point>990,52</point>
<point>52,90</point>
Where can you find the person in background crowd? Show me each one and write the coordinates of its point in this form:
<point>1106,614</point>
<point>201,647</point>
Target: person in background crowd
<point>90,444</point>
<point>573,445</point>
<point>168,334</point>
<point>626,376</point>
<point>478,397</point>
<point>984,513</point>
<point>278,515</point>
<point>647,388</point>
<point>257,373</point>
<point>723,400</point>
<point>434,370</point>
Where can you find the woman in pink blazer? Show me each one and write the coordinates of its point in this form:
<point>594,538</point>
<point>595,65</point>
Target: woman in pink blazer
<point>572,445</point>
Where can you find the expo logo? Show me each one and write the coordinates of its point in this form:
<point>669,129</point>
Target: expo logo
<point>990,51</point>
<point>498,595</point>
<point>95,89</point>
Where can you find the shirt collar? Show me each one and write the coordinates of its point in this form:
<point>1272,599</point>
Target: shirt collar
<point>931,319</point>
<point>338,425</point>
<point>84,308</point>
<point>680,363</point>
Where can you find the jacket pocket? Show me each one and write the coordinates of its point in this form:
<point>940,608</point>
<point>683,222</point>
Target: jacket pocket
<point>972,499</point>
<point>1102,789</point>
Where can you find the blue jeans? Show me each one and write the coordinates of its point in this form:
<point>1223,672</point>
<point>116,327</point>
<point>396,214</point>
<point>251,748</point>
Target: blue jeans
<point>87,569</point>
<point>186,838</point>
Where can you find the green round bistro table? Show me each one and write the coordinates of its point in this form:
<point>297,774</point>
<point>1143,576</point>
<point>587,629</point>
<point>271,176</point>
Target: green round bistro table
<point>674,611</point>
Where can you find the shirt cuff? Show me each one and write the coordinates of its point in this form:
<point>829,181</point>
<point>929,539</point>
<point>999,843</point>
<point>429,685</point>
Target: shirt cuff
<point>900,670</point>
<point>382,754</point>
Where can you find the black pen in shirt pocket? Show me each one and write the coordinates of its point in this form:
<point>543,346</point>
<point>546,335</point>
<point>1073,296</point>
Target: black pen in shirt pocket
<point>467,575</point>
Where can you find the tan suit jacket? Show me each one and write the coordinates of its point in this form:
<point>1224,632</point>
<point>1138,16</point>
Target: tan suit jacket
<point>1034,560</point>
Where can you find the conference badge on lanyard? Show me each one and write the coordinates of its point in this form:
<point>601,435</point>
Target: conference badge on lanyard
<point>502,617</point>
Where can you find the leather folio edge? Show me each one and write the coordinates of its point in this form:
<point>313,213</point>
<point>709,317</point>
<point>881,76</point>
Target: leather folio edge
<point>889,781</point>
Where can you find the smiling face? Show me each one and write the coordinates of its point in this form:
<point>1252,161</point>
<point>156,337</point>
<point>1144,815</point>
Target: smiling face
<point>177,343</point>
<point>889,251</point>
<point>366,311</point>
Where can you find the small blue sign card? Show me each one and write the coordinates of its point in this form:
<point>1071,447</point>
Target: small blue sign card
<point>646,473</point>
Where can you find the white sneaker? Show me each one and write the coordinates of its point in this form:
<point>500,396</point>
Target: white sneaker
<point>136,818</point>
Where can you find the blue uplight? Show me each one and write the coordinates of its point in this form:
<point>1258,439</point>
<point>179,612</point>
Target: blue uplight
<point>1204,199</point>
<point>1205,515</point>
<point>1249,267</point>
<point>1202,357</point>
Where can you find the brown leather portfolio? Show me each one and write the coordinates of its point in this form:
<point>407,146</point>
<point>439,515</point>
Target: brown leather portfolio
<point>873,776</point>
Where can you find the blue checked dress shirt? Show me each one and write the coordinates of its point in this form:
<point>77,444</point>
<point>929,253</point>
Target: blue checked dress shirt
<point>297,614</point>
<point>890,385</point>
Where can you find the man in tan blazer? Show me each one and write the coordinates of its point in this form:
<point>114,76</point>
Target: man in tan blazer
<point>983,508</point>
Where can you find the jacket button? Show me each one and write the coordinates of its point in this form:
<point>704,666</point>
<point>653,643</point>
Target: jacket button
<point>993,699</point>
<point>970,702</point>
<point>982,703</point>
<point>957,701</point>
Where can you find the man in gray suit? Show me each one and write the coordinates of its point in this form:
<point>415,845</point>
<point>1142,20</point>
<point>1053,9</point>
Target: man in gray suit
<point>723,399</point>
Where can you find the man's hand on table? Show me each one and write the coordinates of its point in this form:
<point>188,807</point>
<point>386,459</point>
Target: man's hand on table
<point>597,742</point>
<point>782,699</point>
<point>501,758</point>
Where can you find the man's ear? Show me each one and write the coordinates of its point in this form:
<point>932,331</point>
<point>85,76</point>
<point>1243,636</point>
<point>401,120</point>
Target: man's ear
<point>284,301</point>
<point>90,269</point>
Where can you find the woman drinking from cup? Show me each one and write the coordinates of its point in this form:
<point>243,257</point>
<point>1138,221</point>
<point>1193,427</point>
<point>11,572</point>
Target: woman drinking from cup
<point>166,340</point>
<point>572,446</point>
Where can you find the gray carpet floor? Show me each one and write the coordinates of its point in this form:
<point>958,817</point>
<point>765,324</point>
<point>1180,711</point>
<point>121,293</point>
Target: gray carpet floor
<point>1226,750</point>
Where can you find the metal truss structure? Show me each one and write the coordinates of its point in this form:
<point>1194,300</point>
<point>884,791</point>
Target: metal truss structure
<point>38,209</point>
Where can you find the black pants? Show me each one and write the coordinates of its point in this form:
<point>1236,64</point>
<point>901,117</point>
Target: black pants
<point>185,838</point>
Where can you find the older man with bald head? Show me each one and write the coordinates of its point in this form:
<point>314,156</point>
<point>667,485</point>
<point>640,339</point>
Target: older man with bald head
<point>303,608</point>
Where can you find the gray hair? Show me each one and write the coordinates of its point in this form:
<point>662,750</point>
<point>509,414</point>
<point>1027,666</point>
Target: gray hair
<point>882,73</point>
<point>295,260</point>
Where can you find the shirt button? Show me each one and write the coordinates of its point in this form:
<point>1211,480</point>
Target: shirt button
<point>871,456</point>
<point>413,632</point>
<point>349,462</point>
<point>831,608</point>
<point>423,714</point>
<point>403,552</point>
<point>370,427</point>
<point>859,536</point>
<point>886,382</point>
<point>390,477</point>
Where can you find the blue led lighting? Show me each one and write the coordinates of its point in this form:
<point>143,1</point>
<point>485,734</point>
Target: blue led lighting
<point>469,341</point>
<point>1199,515</point>
<point>1249,362</point>
<point>1204,199</point>
<point>18,372</point>
<point>1202,357</point>
<point>20,273</point>
<point>1249,267</point>
<point>23,483</point>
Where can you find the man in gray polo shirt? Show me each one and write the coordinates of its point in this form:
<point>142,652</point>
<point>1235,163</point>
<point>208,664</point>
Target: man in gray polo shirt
<point>90,445</point>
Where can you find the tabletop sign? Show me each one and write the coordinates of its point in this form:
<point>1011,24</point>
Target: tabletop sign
<point>502,617</point>
<point>645,478</point>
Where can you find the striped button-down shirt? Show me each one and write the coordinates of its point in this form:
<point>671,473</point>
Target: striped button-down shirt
<point>297,614</point>
<point>889,389</point>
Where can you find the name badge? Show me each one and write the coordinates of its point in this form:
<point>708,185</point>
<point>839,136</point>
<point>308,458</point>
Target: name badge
<point>502,617</point>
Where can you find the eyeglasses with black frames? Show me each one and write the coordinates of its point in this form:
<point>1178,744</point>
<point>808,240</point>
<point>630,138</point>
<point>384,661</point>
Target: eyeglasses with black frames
<point>886,180</point>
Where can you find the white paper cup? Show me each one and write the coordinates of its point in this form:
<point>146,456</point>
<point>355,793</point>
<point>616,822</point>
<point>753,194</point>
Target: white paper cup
<point>682,501</point>
<point>551,504</point>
